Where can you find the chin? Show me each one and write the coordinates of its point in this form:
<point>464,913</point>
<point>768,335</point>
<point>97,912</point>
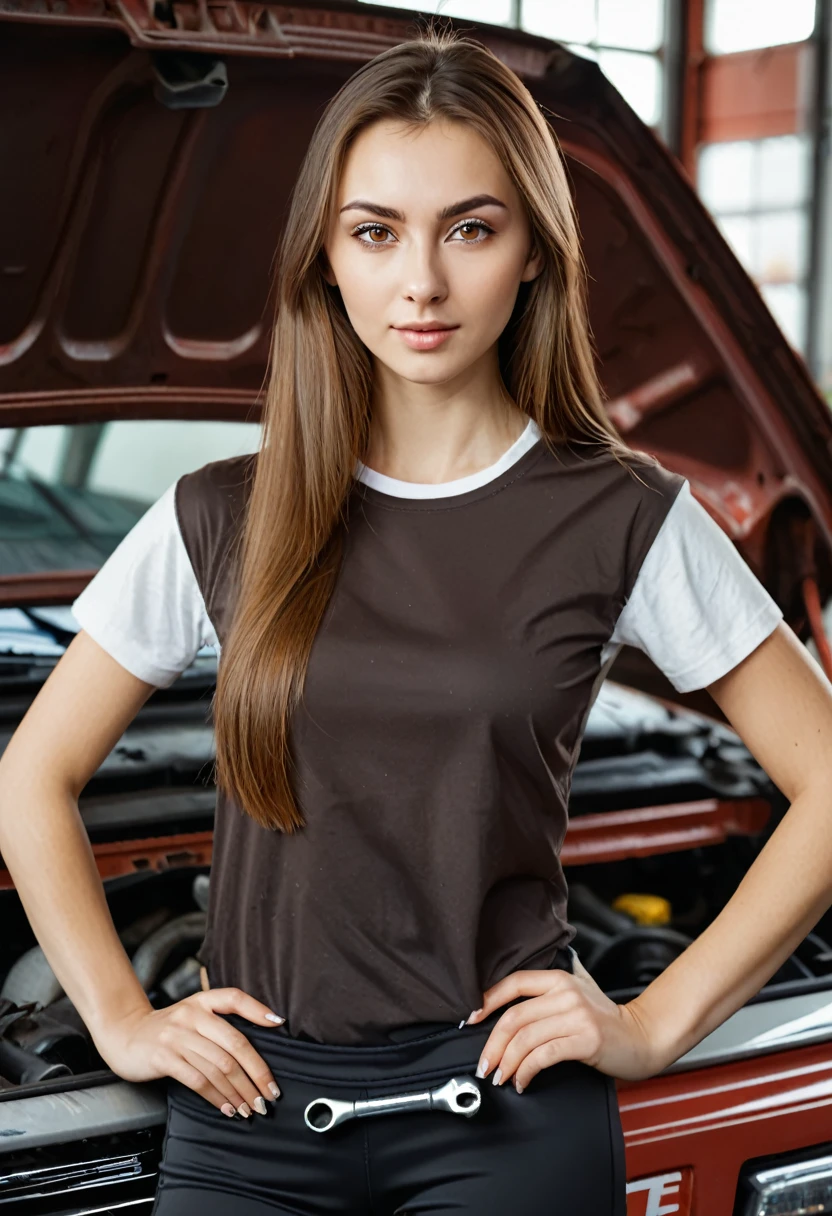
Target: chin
<point>428,377</point>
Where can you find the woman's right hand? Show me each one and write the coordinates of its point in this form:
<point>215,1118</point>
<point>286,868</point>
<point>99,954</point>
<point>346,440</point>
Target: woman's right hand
<point>189,1042</point>
<point>52,755</point>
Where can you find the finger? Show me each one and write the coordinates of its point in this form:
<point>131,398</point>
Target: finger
<point>224,1073</point>
<point>178,1037</point>
<point>531,1036</point>
<point>518,983</point>
<point>249,1071</point>
<point>182,1071</point>
<point>234,1000</point>
<point>560,998</point>
<point>567,1046</point>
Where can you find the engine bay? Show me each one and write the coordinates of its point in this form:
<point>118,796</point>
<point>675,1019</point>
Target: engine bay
<point>668,810</point>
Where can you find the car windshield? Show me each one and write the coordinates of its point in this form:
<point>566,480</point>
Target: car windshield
<point>69,494</point>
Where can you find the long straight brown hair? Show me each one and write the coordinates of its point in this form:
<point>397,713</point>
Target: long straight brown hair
<point>316,416</point>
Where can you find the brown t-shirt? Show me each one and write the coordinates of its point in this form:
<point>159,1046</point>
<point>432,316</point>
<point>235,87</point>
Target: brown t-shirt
<point>444,705</point>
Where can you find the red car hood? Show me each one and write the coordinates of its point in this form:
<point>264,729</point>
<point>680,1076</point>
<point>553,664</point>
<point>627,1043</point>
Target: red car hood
<point>139,226</point>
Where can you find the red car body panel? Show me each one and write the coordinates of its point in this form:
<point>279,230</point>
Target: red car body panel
<point>708,1122</point>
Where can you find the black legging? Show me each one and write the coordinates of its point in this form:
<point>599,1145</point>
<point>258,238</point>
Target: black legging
<point>558,1147</point>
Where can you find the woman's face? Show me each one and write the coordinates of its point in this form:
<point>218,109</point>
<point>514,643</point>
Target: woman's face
<point>398,260</point>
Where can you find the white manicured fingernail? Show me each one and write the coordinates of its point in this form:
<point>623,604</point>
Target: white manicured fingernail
<point>275,1017</point>
<point>482,1068</point>
<point>474,1014</point>
<point>274,1089</point>
<point>518,1087</point>
<point>244,1109</point>
<point>495,1080</point>
<point>260,1105</point>
<point>461,1024</point>
<point>228,1109</point>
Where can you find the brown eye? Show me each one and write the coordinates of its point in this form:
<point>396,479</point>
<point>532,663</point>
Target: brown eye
<point>478,229</point>
<point>364,229</point>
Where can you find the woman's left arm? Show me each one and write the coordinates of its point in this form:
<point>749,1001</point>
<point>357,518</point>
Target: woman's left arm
<point>780,702</point>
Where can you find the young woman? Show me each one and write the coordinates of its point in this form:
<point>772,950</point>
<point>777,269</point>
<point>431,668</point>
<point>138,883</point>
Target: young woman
<point>417,586</point>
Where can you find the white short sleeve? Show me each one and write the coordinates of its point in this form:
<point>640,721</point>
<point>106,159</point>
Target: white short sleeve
<point>697,609</point>
<point>144,606</point>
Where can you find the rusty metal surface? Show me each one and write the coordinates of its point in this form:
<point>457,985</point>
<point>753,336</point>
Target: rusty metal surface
<point>616,835</point>
<point>261,28</point>
<point>118,857</point>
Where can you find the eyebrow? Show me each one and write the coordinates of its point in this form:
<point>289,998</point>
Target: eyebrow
<point>447,213</point>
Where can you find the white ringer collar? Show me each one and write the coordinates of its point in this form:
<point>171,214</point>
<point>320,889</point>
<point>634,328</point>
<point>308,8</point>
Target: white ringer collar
<point>442,489</point>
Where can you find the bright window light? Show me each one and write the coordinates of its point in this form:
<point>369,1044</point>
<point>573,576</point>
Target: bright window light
<point>782,246</point>
<point>725,175</point>
<point>563,20</point>
<point>638,80</point>
<point>755,174</point>
<point>757,191</point>
<point>744,25</point>
<point>784,166</point>
<point>490,12</point>
<point>636,25</point>
<point>739,232</point>
<point>579,48</point>
<point>787,303</point>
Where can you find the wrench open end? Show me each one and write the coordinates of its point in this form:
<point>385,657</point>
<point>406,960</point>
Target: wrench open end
<point>460,1096</point>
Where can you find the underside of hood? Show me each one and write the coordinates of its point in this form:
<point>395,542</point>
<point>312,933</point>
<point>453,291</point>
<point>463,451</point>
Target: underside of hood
<point>150,152</point>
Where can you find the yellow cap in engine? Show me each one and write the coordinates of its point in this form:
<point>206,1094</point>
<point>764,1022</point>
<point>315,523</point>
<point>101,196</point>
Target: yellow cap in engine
<point>644,909</point>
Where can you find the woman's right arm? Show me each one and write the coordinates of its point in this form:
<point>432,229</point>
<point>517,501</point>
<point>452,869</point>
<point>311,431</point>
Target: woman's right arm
<point>73,724</point>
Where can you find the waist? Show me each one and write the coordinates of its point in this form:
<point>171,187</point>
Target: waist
<point>422,1049</point>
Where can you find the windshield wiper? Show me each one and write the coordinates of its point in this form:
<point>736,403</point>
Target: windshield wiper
<point>57,632</point>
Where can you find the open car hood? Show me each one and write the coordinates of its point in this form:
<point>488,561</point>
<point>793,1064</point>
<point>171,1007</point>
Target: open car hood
<point>150,152</point>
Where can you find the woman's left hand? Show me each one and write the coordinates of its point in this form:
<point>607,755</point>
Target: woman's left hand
<point>567,1017</point>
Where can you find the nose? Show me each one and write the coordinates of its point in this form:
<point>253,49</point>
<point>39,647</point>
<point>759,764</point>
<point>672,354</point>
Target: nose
<point>424,277</point>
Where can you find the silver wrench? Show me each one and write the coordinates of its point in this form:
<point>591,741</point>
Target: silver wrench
<point>460,1096</point>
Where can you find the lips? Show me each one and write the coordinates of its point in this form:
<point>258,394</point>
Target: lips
<point>426,339</point>
<point>425,327</point>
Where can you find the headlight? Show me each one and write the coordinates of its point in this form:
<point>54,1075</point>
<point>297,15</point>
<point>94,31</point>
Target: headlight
<point>801,1189</point>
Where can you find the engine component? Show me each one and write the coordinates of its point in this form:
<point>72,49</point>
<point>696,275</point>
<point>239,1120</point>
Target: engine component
<point>588,939</point>
<point>586,905</point>
<point>134,934</point>
<point>52,1039</point>
<point>200,890</point>
<point>25,1067</point>
<point>151,956</point>
<point>31,978</point>
<point>644,909</point>
<point>183,981</point>
<point>636,957</point>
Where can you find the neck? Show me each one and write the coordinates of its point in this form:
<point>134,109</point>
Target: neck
<point>443,438</point>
